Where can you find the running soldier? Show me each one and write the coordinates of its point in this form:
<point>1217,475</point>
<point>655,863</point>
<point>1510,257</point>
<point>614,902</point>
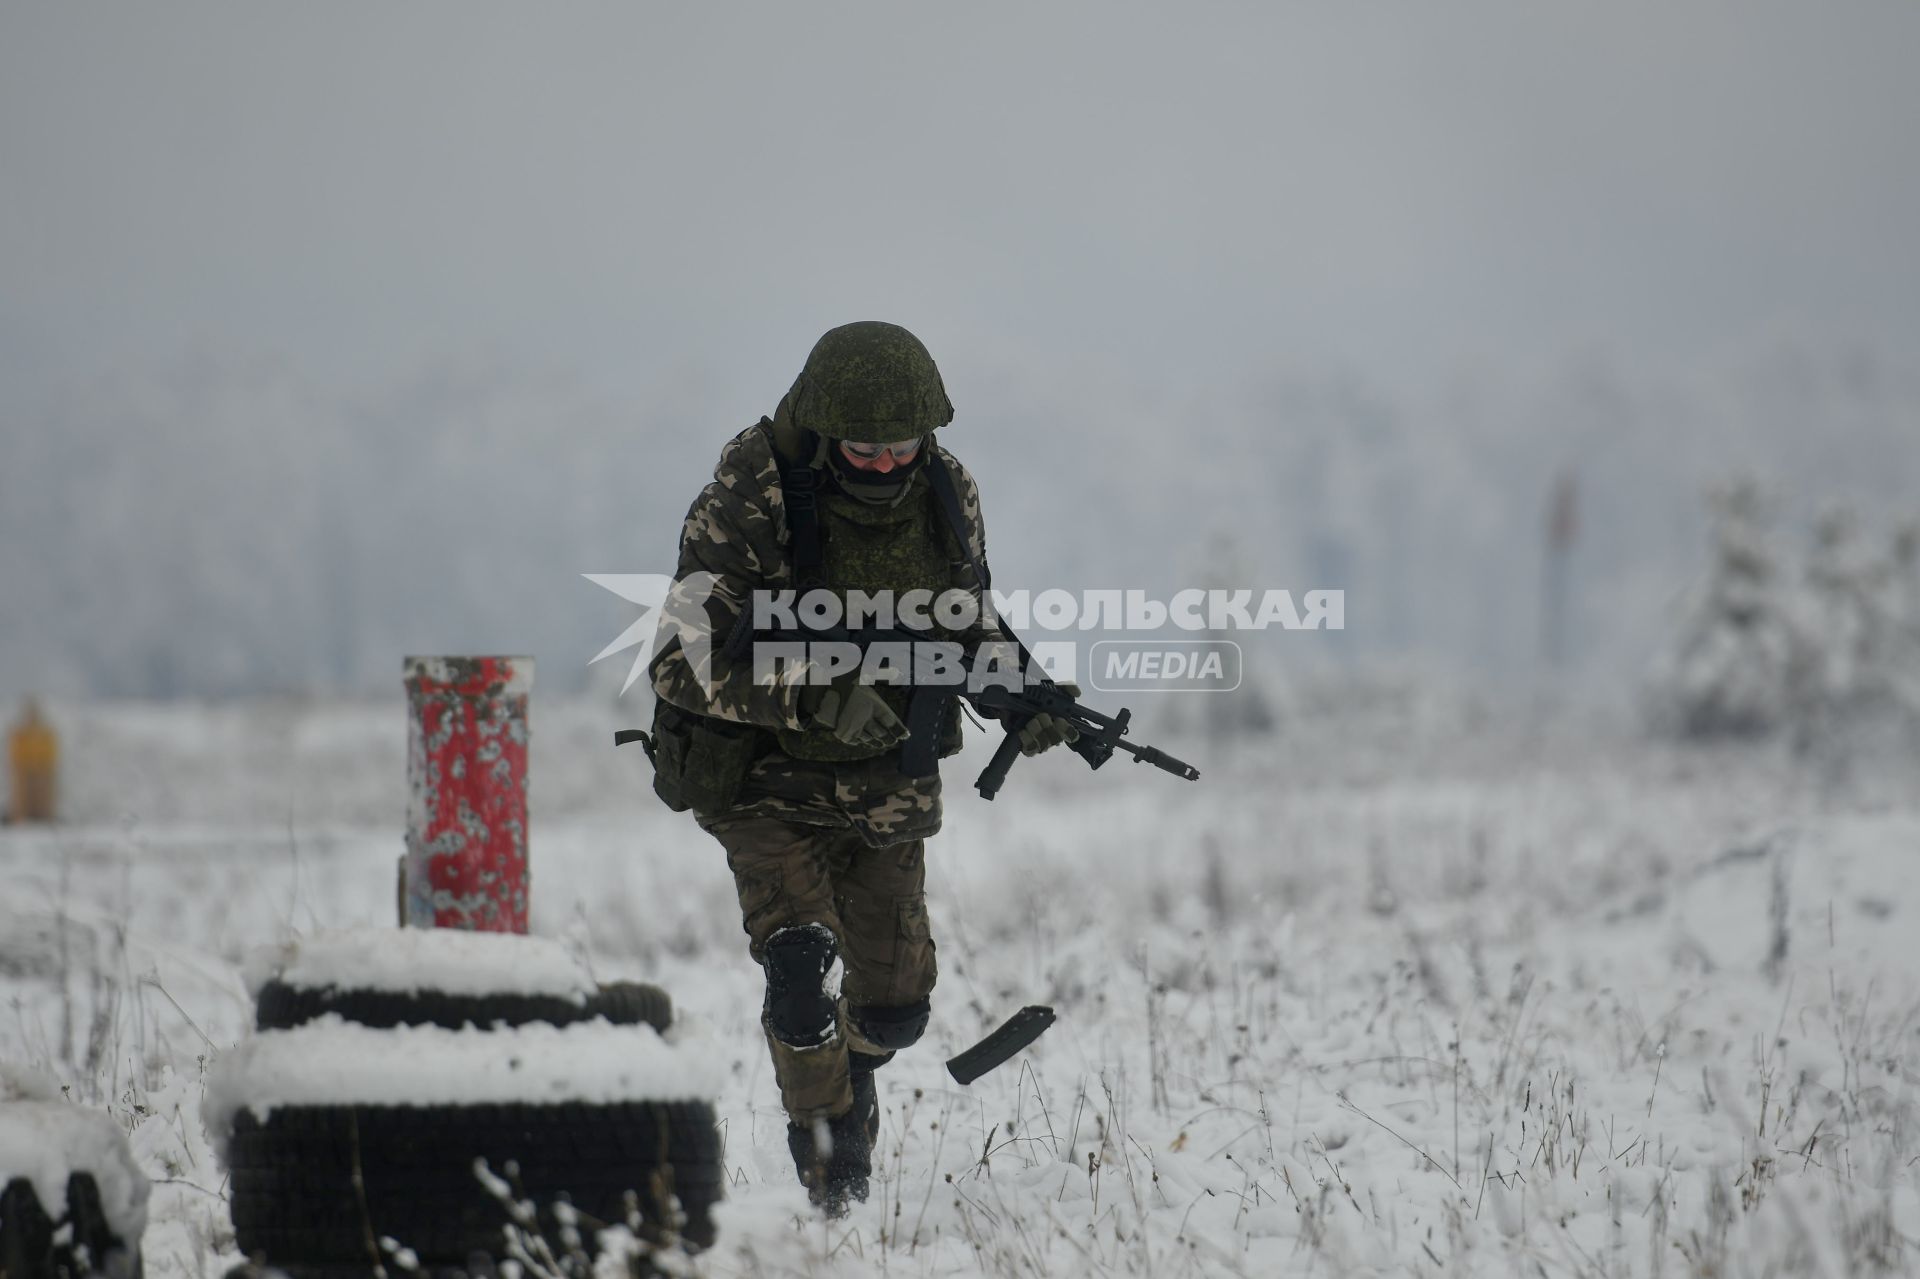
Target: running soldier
<point>800,781</point>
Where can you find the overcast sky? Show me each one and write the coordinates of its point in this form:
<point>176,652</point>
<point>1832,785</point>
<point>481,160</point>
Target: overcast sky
<point>613,189</point>
<point>295,297</point>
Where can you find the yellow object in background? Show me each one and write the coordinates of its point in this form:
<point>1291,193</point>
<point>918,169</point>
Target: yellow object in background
<point>33,758</point>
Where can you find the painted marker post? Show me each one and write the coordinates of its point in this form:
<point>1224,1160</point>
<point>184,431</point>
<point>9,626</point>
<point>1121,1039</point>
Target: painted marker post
<point>466,862</point>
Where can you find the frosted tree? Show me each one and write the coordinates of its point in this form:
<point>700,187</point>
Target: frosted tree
<point>1728,672</point>
<point>1901,605</point>
<point>1857,657</point>
<point>1835,667</point>
<point>1889,682</point>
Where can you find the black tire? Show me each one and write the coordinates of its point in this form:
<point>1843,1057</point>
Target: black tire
<point>294,1199</point>
<point>633,1003</point>
<point>481,1268</point>
<point>282,1007</point>
<point>28,1247</point>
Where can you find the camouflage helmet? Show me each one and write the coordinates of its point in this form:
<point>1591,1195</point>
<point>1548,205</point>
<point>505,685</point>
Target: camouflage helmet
<point>869,383</point>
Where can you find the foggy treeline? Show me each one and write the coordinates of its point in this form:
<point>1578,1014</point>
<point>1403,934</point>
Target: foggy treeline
<point>230,530</point>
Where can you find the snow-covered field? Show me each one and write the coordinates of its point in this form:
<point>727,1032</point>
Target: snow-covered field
<point>1410,990</point>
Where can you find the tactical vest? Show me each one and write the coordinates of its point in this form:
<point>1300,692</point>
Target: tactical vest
<point>843,544</point>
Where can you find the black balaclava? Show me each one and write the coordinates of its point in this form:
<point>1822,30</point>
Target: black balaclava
<point>871,486</point>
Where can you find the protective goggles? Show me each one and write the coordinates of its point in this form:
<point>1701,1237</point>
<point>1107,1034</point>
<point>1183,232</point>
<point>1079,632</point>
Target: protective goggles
<point>902,450</point>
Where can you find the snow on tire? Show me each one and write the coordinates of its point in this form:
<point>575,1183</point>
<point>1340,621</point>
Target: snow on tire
<point>295,1196</point>
<point>80,1242</point>
<point>441,977</point>
<point>337,1136</point>
<point>72,1201</point>
<point>279,1006</point>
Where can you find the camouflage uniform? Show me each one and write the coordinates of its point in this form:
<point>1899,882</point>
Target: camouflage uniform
<point>820,833</point>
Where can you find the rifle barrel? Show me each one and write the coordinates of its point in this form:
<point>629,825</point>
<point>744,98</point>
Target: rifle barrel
<point>1160,759</point>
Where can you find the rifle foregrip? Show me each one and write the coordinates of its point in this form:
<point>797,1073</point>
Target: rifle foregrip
<point>995,773</point>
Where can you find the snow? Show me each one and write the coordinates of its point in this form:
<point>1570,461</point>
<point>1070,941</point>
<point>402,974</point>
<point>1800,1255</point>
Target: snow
<point>423,959</point>
<point>332,1062</point>
<point>1446,990</point>
<point>47,1141</point>
<point>24,1083</point>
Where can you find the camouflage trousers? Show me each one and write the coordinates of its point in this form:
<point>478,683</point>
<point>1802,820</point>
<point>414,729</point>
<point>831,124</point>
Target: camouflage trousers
<point>873,900</point>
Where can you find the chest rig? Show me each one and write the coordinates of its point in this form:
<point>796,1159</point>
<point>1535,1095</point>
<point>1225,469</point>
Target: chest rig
<point>800,489</point>
<point>838,543</point>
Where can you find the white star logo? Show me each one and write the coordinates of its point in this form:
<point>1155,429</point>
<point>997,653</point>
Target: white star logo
<point>649,590</point>
<point>670,608</point>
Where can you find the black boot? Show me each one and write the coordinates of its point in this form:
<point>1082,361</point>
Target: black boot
<point>834,1158</point>
<point>866,1097</point>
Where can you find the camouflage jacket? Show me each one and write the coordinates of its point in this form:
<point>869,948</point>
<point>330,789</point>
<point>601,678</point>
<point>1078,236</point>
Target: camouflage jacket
<point>735,542</point>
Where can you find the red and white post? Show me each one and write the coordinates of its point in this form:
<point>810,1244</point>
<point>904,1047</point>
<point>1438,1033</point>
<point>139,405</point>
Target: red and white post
<point>466,862</point>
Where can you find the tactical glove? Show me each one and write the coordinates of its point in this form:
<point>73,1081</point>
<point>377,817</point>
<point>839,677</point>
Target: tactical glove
<point>854,713</point>
<point>1043,731</point>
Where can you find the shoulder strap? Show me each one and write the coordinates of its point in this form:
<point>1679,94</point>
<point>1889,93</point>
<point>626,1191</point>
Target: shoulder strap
<point>941,481</point>
<point>798,485</point>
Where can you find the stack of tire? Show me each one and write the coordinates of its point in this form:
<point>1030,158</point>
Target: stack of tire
<point>402,1085</point>
<point>72,1201</point>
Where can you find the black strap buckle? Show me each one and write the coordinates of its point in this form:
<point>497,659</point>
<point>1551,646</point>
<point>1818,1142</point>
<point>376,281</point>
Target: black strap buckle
<point>625,735</point>
<point>797,485</point>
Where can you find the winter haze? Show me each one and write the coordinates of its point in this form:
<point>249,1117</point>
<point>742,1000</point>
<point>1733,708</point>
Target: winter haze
<point>1556,917</point>
<point>336,331</point>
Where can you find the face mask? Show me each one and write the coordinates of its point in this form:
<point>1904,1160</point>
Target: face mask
<point>871,486</point>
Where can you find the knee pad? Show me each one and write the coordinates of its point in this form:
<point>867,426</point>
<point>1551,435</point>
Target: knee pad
<point>891,1027</point>
<point>799,1012</point>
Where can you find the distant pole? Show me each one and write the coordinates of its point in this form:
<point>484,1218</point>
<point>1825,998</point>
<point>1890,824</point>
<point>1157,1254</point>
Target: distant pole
<point>466,862</point>
<point>1563,527</point>
<point>33,761</point>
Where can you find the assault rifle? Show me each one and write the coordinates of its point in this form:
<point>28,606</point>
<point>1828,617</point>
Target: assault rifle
<point>1099,735</point>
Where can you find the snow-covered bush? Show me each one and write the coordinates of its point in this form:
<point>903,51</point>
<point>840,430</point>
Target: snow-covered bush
<point>1730,668</point>
<point>1818,653</point>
